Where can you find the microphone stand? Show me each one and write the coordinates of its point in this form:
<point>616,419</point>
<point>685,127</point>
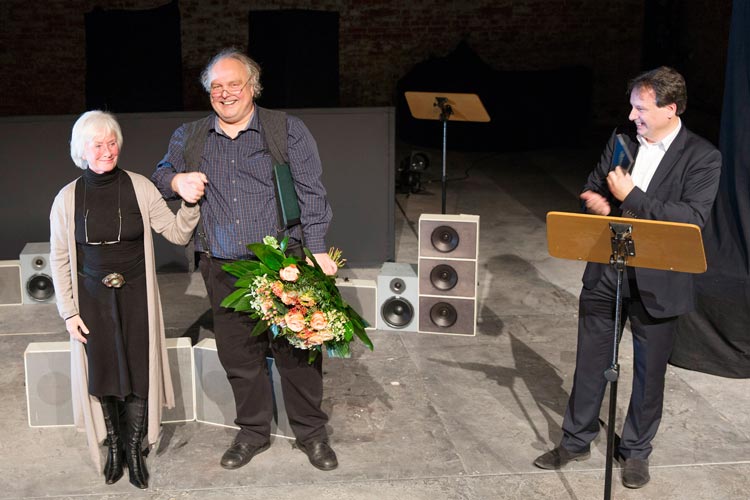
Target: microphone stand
<point>445,113</point>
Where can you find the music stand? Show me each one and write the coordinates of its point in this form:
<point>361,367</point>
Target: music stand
<point>621,242</point>
<point>446,106</point>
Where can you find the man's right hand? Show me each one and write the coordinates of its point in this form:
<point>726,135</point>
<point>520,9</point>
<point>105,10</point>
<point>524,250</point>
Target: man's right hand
<point>190,185</point>
<point>596,203</point>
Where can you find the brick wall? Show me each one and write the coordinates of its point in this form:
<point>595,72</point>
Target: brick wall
<point>43,44</point>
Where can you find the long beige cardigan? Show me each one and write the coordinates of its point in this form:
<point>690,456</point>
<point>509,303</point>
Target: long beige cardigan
<point>156,215</point>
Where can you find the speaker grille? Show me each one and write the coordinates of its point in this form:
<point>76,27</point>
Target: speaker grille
<point>10,283</point>
<point>39,287</point>
<point>444,239</point>
<point>397,312</point>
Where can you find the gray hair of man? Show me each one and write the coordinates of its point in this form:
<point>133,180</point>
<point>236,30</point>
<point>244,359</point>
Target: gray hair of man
<point>252,67</point>
<point>89,126</point>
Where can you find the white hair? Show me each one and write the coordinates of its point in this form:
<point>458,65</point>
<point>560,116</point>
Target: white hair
<point>252,67</point>
<point>90,125</point>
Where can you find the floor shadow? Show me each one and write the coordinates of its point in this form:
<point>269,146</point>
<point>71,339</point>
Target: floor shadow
<point>540,377</point>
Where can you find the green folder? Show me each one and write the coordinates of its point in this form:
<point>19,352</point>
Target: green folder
<point>287,196</point>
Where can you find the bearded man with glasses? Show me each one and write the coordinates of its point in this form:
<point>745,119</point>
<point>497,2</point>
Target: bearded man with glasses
<point>225,162</point>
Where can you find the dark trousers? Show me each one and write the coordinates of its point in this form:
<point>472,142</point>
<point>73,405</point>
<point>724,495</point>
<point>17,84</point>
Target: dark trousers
<point>653,340</point>
<point>244,359</point>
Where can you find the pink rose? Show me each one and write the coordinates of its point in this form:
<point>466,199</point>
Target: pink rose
<point>277,287</point>
<point>266,306</point>
<point>295,321</point>
<point>320,337</point>
<point>318,320</point>
<point>289,273</point>
<point>289,297</point>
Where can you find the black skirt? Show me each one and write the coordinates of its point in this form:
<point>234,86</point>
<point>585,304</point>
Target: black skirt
<point>117,343</point>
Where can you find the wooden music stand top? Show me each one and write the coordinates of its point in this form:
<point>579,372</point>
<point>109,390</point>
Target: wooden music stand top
<point>465,107</point>
<point>670,246</point>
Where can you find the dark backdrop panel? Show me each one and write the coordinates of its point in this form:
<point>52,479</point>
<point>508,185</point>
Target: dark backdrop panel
<point>298,52</point>
<point>134,60</point>
<point>715,338</point>
<point>356,147</point>
<point>528,109</point>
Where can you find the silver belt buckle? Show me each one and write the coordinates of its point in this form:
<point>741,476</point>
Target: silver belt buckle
<point>113,280</point>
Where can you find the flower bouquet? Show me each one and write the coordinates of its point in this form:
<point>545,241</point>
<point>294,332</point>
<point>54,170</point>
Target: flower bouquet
<point>295,300</point>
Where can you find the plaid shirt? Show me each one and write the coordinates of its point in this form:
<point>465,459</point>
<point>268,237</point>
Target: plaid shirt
<point>239,205</point>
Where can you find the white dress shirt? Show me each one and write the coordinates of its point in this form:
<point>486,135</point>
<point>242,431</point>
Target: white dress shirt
<point>649,157</point>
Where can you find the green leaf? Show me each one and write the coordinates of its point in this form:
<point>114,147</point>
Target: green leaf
<point>267,255</point>
<point>231,299</point>
<point>312,355</point>
<point>245,282</point>
<point>284,243</point>
<point>360,332</point>
<point>243,304</point>
<point>241,267</point>
<point>260,327</point>
<point>289,260</point>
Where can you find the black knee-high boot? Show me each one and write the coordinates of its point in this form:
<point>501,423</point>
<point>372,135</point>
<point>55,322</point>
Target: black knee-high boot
<point>136,411</point>
<point>113,467</point>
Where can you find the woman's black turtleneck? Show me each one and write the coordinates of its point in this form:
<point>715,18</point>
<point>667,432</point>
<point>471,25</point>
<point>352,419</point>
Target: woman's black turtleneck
<point>101,196</point>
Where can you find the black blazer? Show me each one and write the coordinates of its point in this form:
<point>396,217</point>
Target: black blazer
<point>683,189</point>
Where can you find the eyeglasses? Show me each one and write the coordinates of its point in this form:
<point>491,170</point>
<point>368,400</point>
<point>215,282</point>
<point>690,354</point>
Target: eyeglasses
<point>86,219</point>
<point>233,88</point>
<point>86,230</point>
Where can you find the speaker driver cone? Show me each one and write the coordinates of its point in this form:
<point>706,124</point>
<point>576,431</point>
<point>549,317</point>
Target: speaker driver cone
<point>443,277</point>
<point>397,286</point>
<point>443,315</point>
<point>444,238</point>
<point>40,288</point>
<point>397,312</point>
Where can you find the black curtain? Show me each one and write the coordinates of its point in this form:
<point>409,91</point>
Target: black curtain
<point>715,338</point>
<point>134,59</point>
<point>298,52</point>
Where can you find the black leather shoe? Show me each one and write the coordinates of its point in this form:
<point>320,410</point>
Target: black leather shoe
<point>635,473</point>
<point>559,458</point>
<point>240,454</point>
<point>320,453</point>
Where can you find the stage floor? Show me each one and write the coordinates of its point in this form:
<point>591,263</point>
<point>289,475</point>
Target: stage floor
<point>423,416</point>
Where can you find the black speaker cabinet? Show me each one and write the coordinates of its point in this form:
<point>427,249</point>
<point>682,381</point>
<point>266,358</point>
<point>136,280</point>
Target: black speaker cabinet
<point>10,283</point>
<point>214,400</point>
<point>48,393</point>
<point>36,275</point>
<point>398,307</point>
<point>448,257</point>
<point>362,295</point>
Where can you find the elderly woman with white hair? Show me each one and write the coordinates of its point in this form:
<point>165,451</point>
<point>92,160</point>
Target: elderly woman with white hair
<point>103,270</point>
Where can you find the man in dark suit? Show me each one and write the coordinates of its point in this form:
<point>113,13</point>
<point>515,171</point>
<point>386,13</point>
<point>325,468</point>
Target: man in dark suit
<point>675,178</point>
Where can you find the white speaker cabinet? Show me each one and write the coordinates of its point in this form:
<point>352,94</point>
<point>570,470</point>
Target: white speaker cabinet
<point>398,306</point>
<point>36,274</point>
<point>448,267</point>
<point>362,295</point>
<point>182,370</point>
<point>11,287</point>
<point>214,401</point>
<point>48,393</point>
